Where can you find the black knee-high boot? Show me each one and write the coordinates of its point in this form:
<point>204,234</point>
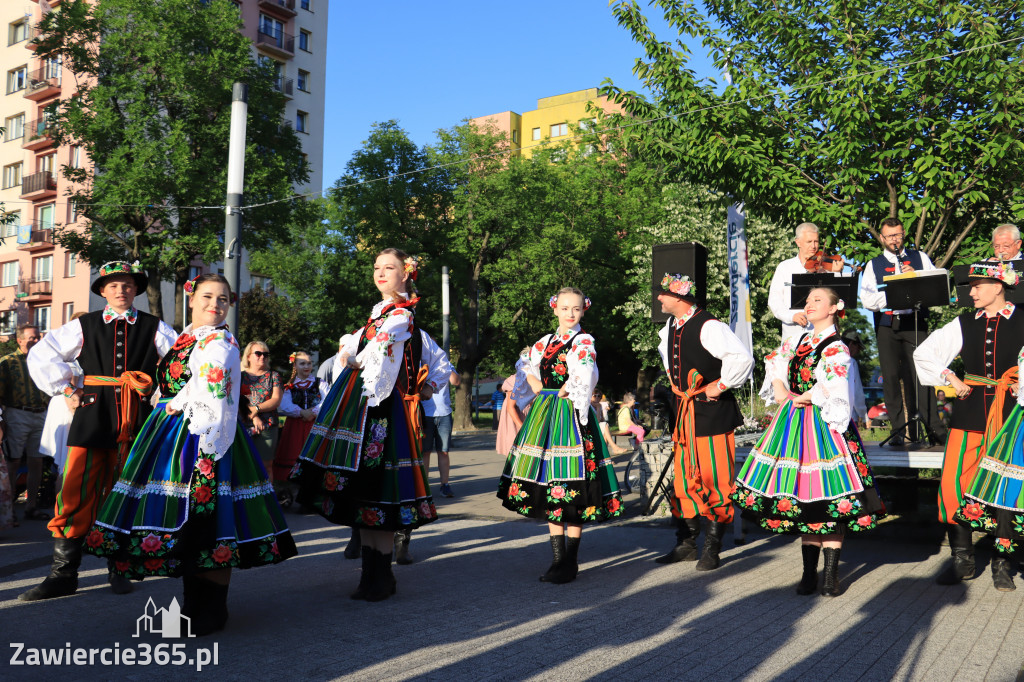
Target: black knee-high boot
<point>63,578</point>
<point>366,577</point>
<point>210,606</point>
<point>830,584</point>
<point>686,544</point>
<point>558,556</point>
<point>570,567</point>
<point>709,560</point>
<point>961,546</point>
<point>809,579</point>
<point>383,584</point>
<point>352,548</point>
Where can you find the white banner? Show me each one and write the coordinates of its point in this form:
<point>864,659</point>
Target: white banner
<point>739,278</point>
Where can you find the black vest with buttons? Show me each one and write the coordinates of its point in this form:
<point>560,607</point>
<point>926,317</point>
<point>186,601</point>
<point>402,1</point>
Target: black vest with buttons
<point>108,350</point>
<point>990,347</point>
<point>686,352</point>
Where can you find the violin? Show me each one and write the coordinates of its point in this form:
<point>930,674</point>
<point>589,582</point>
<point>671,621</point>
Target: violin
<point>823,262</point>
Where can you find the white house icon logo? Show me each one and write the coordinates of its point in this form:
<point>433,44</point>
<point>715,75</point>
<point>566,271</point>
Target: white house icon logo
<point>165,622</point>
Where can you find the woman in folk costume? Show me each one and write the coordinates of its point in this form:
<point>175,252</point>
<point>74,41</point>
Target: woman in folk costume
<point>193,500</point>
<point>981,470</point>
<point>559,469</point>
<point>300,404</point>
<point>808,474</point>
<point>361,465</point>
<point>518,395</point>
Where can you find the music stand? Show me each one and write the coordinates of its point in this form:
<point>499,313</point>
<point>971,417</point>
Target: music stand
<point>919,291</point>
<point>845,286</point>
<point>963,286</point>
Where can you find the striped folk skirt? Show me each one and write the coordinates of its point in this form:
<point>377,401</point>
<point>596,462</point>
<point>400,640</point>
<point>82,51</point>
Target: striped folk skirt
<point>361,465</point>
<point>994,501</point>
<point>175,511</point>
<point>558,469</point>
<point>804,477</point>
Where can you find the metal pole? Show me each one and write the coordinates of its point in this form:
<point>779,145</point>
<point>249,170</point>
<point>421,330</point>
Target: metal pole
<point>236,176</point>
<point>445,311</point>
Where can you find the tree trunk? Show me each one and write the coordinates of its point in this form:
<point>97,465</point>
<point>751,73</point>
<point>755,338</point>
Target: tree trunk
<point>463,396</point>
<point>153,294</point>
<point>180,277</point>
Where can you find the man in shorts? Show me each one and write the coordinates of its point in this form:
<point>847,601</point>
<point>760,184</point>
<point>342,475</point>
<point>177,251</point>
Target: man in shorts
<point>437,432</point>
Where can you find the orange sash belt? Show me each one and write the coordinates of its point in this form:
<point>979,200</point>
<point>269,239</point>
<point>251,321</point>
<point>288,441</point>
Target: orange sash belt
<point>412,401</point>
<point>133,385</point>
<point>685,435</point>
<point>994,422</point>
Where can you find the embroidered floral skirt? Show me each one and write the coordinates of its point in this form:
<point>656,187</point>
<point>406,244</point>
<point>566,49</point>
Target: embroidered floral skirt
<point>361,465</point>
<point>558,469</point>
<point>175,511</point>
<point>804,477</point>
<point>289,445</point>
<point>995,502</point>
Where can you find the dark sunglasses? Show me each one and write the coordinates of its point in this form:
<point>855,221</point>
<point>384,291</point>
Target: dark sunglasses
<point>260,354</point>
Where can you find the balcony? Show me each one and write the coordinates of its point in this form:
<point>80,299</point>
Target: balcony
<point>43,82</point>
<point>281,8</point>
<point>37,135</point>
<point>284,86</point>
<point>33,33</point>
<point>41,185</point>
<point>34,290</point>
<point>35,236</point>
<point>51,3</point>
<point>279,43</point>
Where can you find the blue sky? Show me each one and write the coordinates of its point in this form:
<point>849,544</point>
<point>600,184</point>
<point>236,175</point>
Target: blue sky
<point>431,64</point>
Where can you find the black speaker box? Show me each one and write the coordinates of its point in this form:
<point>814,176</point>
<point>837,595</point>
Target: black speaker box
<point>683,258</point>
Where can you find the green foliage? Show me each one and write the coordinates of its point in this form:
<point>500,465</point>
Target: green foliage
<point>844,114</point>
<point>275,320</point>
<point>152,109</point>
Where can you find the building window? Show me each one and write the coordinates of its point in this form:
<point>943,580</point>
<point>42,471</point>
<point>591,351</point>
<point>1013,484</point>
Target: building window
<point>303,80</point>
<point>42,269</point>
<point>194,271</point>
<point>16,79</point>
<point>304,4</point>
<point>70,262</point>
<point>300,121</point>
<point>14,128</point>
<point>8,322</point>
<point>559,129</point>
<point>260,282</point>
<point>536,133</point>
<point>46,215</point>
<point>304,40</point>
<point>75,156</point>
<point>12,175</point>
<point>9,274</point>
<point>10,229</point>
<point>68,311</point>
<point>72,212</point>
<point>515,136</point>
<point>271,27</point>
<point>45,163</point>
<point>41,318</point>
<point>18,32</point>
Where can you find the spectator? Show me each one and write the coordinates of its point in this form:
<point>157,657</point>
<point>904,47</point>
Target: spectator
<point>261,387</point>
<point>625,418</point>
<point>25,412</point>
<point>497,398</point>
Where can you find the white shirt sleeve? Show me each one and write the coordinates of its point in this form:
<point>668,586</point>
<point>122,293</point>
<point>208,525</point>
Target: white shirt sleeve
<point>779,295</point>
<point>532,367</point>
<point>723,344</point>
<point>936,352</point>
<point>381,358</point>
<point>209,399</point>
<point>288,407</point>
<point>831,390</point>
<point>663,343</point>
<point>776,366</point>
<point>50,361</point>
<point>165,338</point>
<point>870,297</point>
<point>581,363</point>
<point>438,364</point>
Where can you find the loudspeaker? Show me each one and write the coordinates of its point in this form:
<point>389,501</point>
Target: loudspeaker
<point>683,258</point>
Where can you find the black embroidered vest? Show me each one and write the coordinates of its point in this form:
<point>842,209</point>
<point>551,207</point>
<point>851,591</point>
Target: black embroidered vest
<point>412,352</point>
<point>554,370</point>
<point>991,345</point>
<point>109,350</point>
<point>306,398</point>
<point>686,352</point>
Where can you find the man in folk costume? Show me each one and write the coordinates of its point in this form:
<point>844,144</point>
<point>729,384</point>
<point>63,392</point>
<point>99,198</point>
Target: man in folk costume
<point>118,348</point>
<point>703,359</point>
<point>988,339</point>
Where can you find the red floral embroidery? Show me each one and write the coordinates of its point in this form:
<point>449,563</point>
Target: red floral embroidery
<point>151,543</point>
<point>222,554</point>
<point>773,523</point>
<point>153,564</point>
<point>215,375</point>
<point>94,538</point>
<point>203,494</point>
<point>559,369</point>
<point>205,466</point>
<point>864,521</point>
<point>591,465</point>
<point>784,505</point>
<point>973,511</point>
<point>175,369</point>
<point>613,505</point>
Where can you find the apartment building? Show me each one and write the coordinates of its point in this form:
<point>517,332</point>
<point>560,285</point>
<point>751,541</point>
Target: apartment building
<point>39,281</point>
<point>550,121</point>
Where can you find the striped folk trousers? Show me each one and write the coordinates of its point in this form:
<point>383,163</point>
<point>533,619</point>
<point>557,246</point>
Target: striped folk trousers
<point>89,475</point>
<point>708,495</point>
<point>959,465</point>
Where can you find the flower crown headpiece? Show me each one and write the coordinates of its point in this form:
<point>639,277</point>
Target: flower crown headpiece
<point>554,300</point>
<point>120,267</point>
<point>1002,272</point>
<point>680,285</point>
<point>190,288</point>
<point>291,358</point>
<point>412,267</point>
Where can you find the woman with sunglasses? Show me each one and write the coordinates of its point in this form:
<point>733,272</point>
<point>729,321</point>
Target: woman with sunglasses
<point>261,393</point>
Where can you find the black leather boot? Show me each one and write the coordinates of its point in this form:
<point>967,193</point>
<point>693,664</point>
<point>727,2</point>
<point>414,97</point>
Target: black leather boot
<point>809,580</point>
<point>63,578</point>
<point>709,560</point>
<point>383,584</point>
<point>566,573</point>
<point>830,584</point>
<point>558,556</point>
<point>961,546</point>
<point>686,545</point>
<point>402,538</point>
<point>352,548</point>
<point>118,583</point>
<point>1001,578</point>
<point>366,577</point>
<point>211,607</point>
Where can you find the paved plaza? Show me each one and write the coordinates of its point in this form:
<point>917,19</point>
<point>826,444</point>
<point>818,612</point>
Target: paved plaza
<point>471,607</point>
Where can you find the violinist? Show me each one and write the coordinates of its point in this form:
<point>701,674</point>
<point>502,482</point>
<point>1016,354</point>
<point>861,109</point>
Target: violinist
<point>794,321</point>
<point>895,332</point>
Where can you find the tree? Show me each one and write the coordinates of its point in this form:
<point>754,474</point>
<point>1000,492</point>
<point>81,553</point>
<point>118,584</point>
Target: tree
<point>275,320</point>
<point>844,114</point>
<point>151,109</point>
